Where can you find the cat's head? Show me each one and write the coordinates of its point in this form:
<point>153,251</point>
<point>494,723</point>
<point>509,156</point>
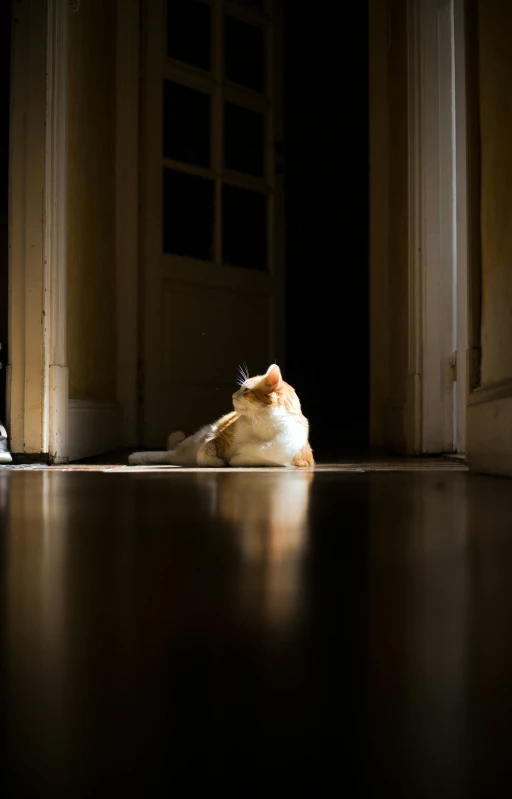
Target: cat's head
<point>265,392</point>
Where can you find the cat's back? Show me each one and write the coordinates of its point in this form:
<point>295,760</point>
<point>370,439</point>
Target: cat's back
<point>224,428</point>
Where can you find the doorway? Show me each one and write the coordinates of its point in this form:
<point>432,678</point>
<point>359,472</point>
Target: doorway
<point>327,221</point>
<point>213,289</point>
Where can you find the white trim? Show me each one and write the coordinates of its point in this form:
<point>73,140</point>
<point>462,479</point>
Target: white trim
<point>462,236</point>
<point>426,331</point>
<point>56,228</point>
<point>37,372</point>
<point>437,227</point>
<point>413,406</point>
<point>127,213</point>
<point>94,427</point>
<point>444,301</point>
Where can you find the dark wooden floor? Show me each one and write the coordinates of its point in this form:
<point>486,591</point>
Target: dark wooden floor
<point>161,630</point>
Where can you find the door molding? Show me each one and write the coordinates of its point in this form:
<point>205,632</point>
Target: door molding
<point>37,373</point>
<point>413,403</point>
<point>438,280</point>
<point>463,235</point>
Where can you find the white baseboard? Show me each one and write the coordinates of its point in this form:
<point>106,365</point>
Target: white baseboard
<point>94,428</point>
<point>489,430</point>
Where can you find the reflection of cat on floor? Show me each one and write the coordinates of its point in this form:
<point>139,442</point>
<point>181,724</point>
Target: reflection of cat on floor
<point>267,514</point>
<point>268,511</point>
<point>266,428</point>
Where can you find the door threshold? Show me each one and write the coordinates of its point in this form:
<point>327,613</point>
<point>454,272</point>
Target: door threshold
<point>459,457</point>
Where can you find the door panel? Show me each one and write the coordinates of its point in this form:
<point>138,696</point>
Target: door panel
<point>212,265</point>
<point>221,328</point>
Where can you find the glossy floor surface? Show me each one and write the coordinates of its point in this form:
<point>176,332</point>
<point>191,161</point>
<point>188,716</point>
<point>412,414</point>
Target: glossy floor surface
<point>160,630</point>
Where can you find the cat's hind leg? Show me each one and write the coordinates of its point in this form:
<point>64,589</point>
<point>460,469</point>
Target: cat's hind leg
<point>175,438</point>
<point>207,455</point>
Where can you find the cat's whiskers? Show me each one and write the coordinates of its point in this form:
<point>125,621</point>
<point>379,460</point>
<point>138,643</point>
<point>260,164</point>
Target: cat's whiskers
<point>243,375</point>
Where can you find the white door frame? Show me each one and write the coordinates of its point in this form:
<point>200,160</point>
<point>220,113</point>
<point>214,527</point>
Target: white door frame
<point>37,374</point>
<point>438,276</point>
<point>42,421</point>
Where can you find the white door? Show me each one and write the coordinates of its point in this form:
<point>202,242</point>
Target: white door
<point>211,206</point>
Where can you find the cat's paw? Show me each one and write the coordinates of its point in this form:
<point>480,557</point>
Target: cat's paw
<point>175,438</point>
<point>135,459</point>
<point>240,460</point>
<point>209,461</point>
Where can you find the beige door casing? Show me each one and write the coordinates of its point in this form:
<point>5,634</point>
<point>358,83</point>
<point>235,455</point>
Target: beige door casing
<point>37,374</point>
<point>44,423</point>
<point>438,232</point>
<point>419,291</point>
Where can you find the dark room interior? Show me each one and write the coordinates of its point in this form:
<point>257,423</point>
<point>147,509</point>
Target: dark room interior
<point>327,225</point>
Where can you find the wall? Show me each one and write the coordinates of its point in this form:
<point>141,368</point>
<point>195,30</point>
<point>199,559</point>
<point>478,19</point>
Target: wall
<point>91,324</point>
<point>326,205</point>
<point>495,79</point>
<point>490,405</point>
<point>388,222</point>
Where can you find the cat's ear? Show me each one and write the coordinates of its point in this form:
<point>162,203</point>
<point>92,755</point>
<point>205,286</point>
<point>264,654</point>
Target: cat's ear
<point>272,379</point>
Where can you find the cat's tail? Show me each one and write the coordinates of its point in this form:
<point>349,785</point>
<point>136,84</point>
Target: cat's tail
<point>175,438</point>
<point>158,458</point>
<point>180,451</point>
<point>148,458</point>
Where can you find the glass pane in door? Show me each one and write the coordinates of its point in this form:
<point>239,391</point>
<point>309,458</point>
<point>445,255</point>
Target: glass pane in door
<point>244,54</point>
<point>243,140</point>
<point>186,124</point>
<point>189,32</point>
<point>187,215</point>
<point>244,227</point>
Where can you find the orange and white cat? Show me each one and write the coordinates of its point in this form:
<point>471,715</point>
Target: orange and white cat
<point>266,428</point>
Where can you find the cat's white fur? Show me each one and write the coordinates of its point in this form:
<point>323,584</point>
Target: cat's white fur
<point>271,437</point>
